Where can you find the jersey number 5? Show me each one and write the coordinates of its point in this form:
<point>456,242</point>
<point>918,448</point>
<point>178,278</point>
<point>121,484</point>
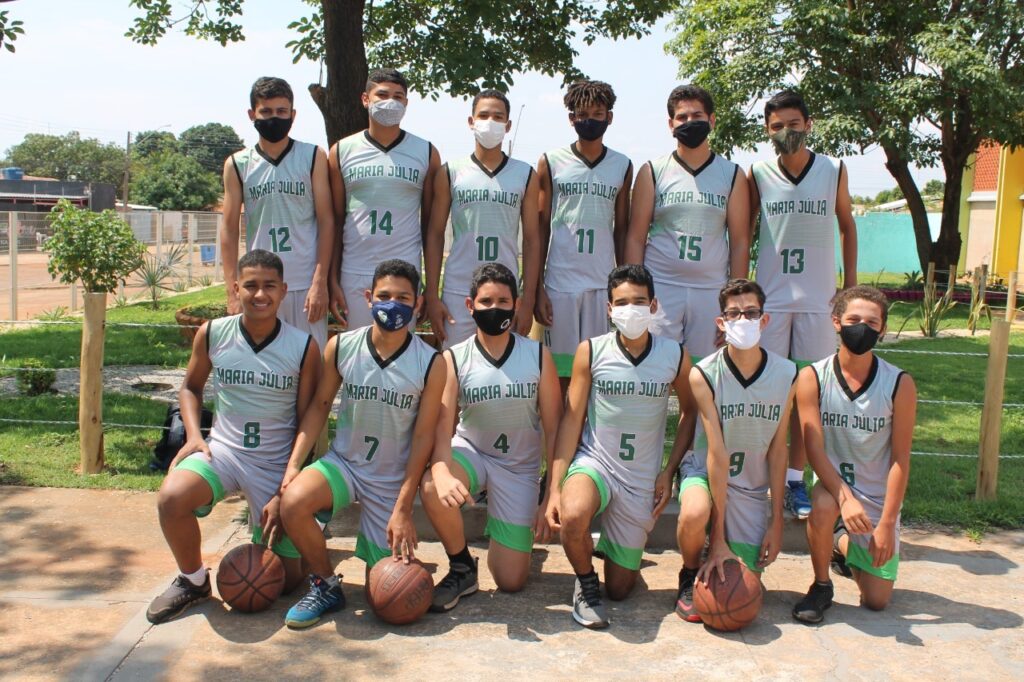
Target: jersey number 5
<point>627,451</point>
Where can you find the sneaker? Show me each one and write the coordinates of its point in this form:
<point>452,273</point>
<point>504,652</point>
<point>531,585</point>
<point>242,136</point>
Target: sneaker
<point>684,601</point>
<point>811,609</point>
<point>588,609</point>
<point>797,502</point>
<point>460,582</point>
<point>321,598</point>
<point>176,598</point>
<point>838,561</point>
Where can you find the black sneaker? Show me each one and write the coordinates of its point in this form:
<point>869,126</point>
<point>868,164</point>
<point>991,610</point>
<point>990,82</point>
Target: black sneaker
<point>838,561</point>
<point>811,609</point>
<point>684,600</point>
<point>176,598</point>
<point>460,582</point>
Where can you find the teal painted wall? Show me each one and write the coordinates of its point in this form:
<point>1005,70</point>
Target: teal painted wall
<point>885,241</point>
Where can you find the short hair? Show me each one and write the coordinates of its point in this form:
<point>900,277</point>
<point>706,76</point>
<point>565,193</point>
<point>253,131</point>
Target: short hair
<point>863,292</point>
<point>690,92</point>
<point>493,94</point>
<point>396,267</point>
<point>496,273</point>
<point>588,93</point>
<point>738,287</point>
<point>270,87</point>
<point>787,99</point>
<point>633,273</point>
<point>386,76</point>
<point>258,258</point>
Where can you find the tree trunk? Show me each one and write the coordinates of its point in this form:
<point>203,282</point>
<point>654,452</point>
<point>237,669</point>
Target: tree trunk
<point>899,168</point>
<point>946,251</point>
<point>345,63</point>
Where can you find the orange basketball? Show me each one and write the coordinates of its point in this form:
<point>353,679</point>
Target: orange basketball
<point>732,604</point>
<point>399,592</point>
<point>250,578</point>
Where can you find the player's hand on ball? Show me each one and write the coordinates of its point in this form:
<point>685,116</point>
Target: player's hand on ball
<point>772,544</point>
<point>717,556</point>
<point>315,306</point>
<point>270,521</point>
<point>402,535</point>
<point>190,447</point>
<point>339,308</point>
<point>882,544</point>
<point>542,308</point>
<point>854,517</point>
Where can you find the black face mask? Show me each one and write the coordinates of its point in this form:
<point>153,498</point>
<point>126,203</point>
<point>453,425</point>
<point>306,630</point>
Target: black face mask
<point>858,338</point>
<point>590,129</point>
<point>273,129</point>
<point>493,321</point>
<point>692,133</point>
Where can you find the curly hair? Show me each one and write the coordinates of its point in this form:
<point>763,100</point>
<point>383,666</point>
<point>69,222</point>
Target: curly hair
<point>582,94</point>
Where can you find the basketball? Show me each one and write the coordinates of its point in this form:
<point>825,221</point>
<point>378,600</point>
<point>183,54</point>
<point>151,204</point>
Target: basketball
<point>250,577</point>
<point>398,592</point>
<point>732,604</point>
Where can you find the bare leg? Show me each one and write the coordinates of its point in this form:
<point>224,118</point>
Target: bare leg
<point>691,529</point>
<point>509,567</point>
<point>308,494</point>
<point>447,521</point>
<point>182,492</point>
<point>580,502</point>
<point>618,580</point>
<point>820,524</point>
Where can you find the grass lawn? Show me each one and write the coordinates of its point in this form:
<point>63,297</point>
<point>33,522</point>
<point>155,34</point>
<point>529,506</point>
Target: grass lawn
<point>59,346</point>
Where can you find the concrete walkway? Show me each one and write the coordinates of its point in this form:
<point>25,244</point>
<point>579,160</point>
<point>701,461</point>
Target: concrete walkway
<point>80,567</point>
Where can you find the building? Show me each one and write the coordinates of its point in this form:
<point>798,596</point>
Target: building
<point>992,212</point>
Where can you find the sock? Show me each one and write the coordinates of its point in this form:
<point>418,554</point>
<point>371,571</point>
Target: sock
<point>197,578</point>
<point>463,557</point>
<point>332,581</point>
<point>592,573</point>
<point>794,475</point>
<point>824,583</point>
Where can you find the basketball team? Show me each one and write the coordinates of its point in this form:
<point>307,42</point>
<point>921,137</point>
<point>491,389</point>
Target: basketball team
<point>639,290</point>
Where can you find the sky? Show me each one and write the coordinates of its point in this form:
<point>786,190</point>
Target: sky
<point>75,70</point>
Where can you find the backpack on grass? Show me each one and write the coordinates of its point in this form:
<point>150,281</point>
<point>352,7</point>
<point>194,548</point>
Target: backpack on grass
<point>173,437</point>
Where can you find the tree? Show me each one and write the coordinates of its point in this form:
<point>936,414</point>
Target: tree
<point>146,143</point>
<point>887,195</point>
<point>97,249</point>
<point>68,157</point>
<point>172,181</point>
<point>456,46</point>
<point>10,29</point>
<point>210,144</point>
<point>927,81</point>
<point>934,188</point>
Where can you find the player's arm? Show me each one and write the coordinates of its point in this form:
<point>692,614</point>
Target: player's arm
<point>317,298</point>
<point>229,229</point>
<point>754,204</point>
<point>338,304</point>
<point>622,215</point>
<point>315,414</point>
<point>542,307</point>
<point>904,416</point>
<point>847,229</point>
<point>684,434</point>
<point>433,251</point>
<point>401,529</point>
<point>738,222</point>
<point>190,397</point>
<point>427,199</point>
<point>569,430</point>
<point>778,462</point>
<point>549,404</point>
<point>718,476</point>
<point>640,217</point>
<point>532,263</point>
<point>450,489</point>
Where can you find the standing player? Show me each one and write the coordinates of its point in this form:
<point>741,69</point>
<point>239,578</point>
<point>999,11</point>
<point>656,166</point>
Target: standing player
<point>284,187</point>
<point>503,393</point>
<point>382,183</point>
<point>386,423</point>
<point>267,372</point>
<point>858,415</point>
<point>584,213</point>
<point>618,399</point>
<point>799,196</point>
<point>488,194</point>
<point>744,394</point>
<point>690,223</point>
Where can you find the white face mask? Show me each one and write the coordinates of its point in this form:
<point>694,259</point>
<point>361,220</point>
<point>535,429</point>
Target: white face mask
<point>742,333</point>
<point>387,112</point>
<point>488,133</point>
<point>632,320</point>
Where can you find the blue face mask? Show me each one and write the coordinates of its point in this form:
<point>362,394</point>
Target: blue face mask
<point>391,315</point>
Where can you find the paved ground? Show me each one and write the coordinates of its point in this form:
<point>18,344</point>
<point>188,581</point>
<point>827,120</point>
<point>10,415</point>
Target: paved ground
<point>80,567</point>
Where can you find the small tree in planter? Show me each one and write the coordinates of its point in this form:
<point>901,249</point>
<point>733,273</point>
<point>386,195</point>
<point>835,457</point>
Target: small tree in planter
<point>97,250</point>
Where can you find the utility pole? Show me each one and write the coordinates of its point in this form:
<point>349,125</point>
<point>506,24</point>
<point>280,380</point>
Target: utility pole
<point>127,168</point>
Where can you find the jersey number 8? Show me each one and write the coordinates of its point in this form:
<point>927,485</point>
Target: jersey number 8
<point>251,435</point>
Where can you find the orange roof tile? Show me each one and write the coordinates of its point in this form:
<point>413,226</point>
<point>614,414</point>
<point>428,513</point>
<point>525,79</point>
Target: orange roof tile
<point>986,168</point>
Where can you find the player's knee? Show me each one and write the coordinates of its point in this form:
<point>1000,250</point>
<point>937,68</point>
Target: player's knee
<point>619,590</point>
<point>875,602</point>
<point>575,519</point>
<point>172,501</point>
<point>295,505</point>
<point>510,582</point>
<point>693,517</point>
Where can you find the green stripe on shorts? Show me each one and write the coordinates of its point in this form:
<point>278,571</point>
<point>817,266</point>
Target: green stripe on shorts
<point>748,554</point>
<point>691,481</point>
<point>563,363</point>
<point>340,494</point>
<point>602,488</point>
<point>369,552</point>
<point>282,548</point>
<point>627,557</point>
<point>463,461</point>
<point>511,535</point>
<point>860,558</point>
<point>200,466</point>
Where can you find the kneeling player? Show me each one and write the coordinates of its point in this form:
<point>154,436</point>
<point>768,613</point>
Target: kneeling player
<point>618,398</point>
<point>743,393</point>
<point>267,372</point>
<point>504,389</point>
<point>386,422</point>
<point>858,414</point>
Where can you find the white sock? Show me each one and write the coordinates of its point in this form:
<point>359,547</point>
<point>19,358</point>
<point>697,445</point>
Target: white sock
<point>332,581</point>
<point>794,475</point>
<point>197,578</point>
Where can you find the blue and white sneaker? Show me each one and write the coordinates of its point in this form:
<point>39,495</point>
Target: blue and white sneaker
<point>322,598</point>
<point>797,502</point>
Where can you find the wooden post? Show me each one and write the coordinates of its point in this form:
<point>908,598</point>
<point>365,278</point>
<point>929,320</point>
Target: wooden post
<point>90,393</point>
<point>190,224</point>
<point>992,412</point>
<point>12,249</point>
<point>1011,297</point>
<point>929,278</point>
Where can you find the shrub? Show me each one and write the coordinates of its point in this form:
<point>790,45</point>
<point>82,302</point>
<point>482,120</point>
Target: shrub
<point>36,380</point>
<point>97,249</point>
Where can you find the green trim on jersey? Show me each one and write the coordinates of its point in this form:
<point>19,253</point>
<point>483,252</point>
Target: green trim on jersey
<point>511,535</point>
<point>282,548</point>
<point>800,364</point>
<point>198,466</point>
<point>861,559</point>
<point>340,494</point>
<point>463,461</point>
<point>602,487</point>
<point>369,552</point>
<point>627,557</point>
<point>748,554</point>
<point>563,363</point>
